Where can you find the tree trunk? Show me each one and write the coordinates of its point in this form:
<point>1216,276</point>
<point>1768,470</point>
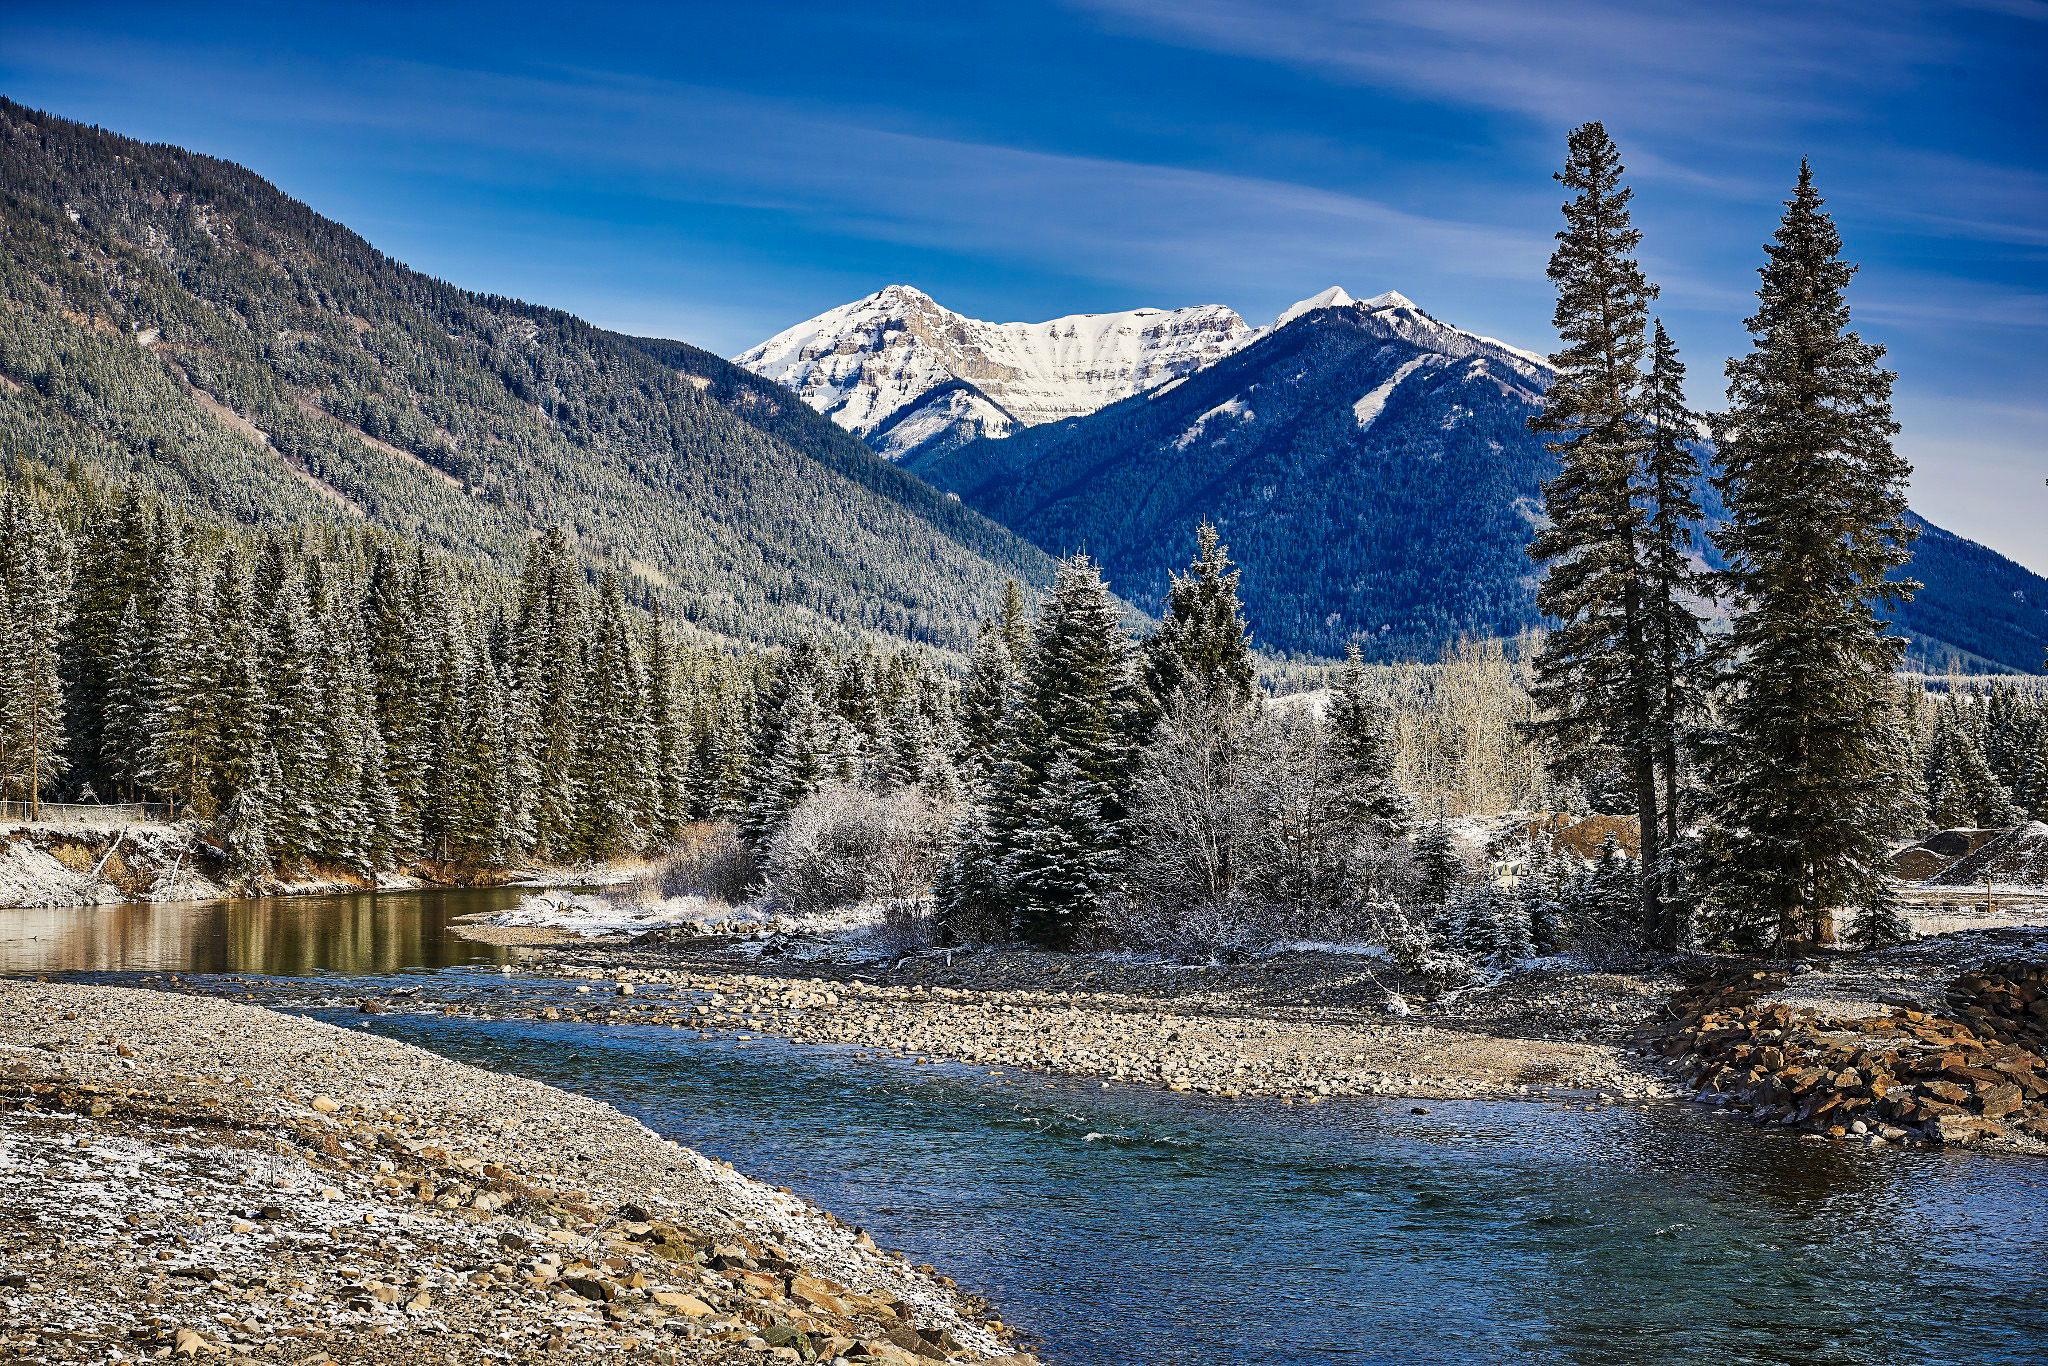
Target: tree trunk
<point>1651,842</point>
<point>1673,892</point>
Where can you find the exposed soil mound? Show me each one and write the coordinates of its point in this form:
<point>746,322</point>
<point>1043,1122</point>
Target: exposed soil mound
<point>1923,861</point>
<point>1582,835</point>
<point>2017,858</point>
<point>1918,863</point>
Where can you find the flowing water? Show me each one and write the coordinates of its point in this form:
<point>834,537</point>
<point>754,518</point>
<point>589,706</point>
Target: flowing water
<point>1129,1226</point>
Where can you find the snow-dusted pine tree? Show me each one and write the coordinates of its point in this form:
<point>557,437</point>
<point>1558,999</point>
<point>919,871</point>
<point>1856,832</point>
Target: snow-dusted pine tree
<point>1675,588</point>
<point>1200,642</point>
<point>1364,754</point>
<point>1077,704</point>
<point>35,566</point>
<point>1804,781</point>
<point>985,700</point>
<point>130,690</point>
<point>1596,677</point>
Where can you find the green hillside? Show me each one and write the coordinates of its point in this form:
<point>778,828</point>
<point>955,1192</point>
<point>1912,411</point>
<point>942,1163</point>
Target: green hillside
<point>174,322</point>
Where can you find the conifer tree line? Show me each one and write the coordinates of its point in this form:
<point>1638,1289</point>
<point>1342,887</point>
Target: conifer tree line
<point>1780,740</point>
<point>1983,755</point>
<point>339,700</point>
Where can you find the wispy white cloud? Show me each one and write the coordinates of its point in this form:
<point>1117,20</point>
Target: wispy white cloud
<point>1662,66</point>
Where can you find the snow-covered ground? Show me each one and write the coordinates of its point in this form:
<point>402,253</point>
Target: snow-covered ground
<point>859,933</point>
<point>51,864</point>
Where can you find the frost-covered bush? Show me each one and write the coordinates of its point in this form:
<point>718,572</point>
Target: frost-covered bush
<point>909,923</point>
<point>843,845</point>
<point>711,860</point>
<point>1247,830</point>
<point>1195,929</point>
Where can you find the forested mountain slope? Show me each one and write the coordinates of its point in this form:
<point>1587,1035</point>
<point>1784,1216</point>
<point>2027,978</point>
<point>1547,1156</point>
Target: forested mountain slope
<point>1976,609</point>
<point>175,322</point>
<point>1374,487</point>
<point>1372,470</point>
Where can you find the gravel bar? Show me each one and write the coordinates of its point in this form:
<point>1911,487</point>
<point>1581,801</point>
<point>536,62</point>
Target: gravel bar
<point>183,1177</point>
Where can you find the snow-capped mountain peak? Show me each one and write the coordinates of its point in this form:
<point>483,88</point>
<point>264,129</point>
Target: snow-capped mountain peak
<point>908,375</point>
<point>904,373</point>
<point>1333,297</point>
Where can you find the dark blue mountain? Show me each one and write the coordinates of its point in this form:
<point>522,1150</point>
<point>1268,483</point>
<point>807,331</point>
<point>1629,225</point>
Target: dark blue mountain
<point>1372,470</point>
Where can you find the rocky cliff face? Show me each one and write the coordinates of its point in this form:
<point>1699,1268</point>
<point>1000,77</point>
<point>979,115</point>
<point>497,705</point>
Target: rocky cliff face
<point>906,374</point>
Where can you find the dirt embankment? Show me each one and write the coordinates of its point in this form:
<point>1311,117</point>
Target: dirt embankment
<point>186,1176</point>
<point>52,864</point>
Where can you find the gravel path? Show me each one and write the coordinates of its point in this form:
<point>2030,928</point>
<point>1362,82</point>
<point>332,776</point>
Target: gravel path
<point>184,1175</point>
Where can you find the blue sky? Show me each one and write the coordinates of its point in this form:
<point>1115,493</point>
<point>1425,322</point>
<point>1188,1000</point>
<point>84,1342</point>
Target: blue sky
<point>714,172</point>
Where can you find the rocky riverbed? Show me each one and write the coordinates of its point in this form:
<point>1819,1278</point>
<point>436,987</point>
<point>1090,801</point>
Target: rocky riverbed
<point>1302,1026</point>
<point>187,1177</point>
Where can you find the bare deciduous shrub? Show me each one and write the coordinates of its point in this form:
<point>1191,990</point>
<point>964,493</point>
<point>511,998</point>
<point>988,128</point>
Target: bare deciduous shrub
<point>843,845</point>
<point>709,860</point>
<point>1246,833</point>
<point>909,923</point>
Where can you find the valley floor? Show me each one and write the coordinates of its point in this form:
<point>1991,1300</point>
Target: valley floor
<point>181,1175</point>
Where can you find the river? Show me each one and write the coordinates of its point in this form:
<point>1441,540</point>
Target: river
<point>1130,1226</point>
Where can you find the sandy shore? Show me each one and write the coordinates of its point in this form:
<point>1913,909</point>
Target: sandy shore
<point>1303,1026</point>
<point>181,1175</point>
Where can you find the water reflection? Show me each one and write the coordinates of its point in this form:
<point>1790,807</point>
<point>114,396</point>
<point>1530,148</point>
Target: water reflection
<point>284,936</point>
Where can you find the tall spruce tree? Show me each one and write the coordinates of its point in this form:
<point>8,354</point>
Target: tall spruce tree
<point>1595,675</point>
<point>35,567</point>
<point>1674,585</point>
<point>1805,786</point>
<point>1364,755</point>
<point>985,700</point>
<point>186,677</point>
<point>1201,641</point>
<point>125,717</point>
<point>1077,713</point>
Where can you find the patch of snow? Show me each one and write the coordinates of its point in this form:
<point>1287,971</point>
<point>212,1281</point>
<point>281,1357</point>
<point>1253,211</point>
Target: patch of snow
<point>1231,408</point>
<point>1347,949</point>
<point>1368,408</point>
<point>589,916</point>
<point>954,417</point>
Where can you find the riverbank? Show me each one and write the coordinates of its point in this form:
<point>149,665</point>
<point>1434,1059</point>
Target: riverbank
<point>1872,1047</point>
<point>1299,1026</point>
<point>190,1176</point>
<point>54,864</point>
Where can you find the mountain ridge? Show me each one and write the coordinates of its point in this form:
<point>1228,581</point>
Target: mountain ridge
<point>905,373</point>
<point>174,321</point>
<point>1372,468</point>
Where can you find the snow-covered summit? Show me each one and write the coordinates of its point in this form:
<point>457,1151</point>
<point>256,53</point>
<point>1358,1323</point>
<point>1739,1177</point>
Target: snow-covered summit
<point>1333,297</point>
<point>908,375</point>
<point>901,370</point>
